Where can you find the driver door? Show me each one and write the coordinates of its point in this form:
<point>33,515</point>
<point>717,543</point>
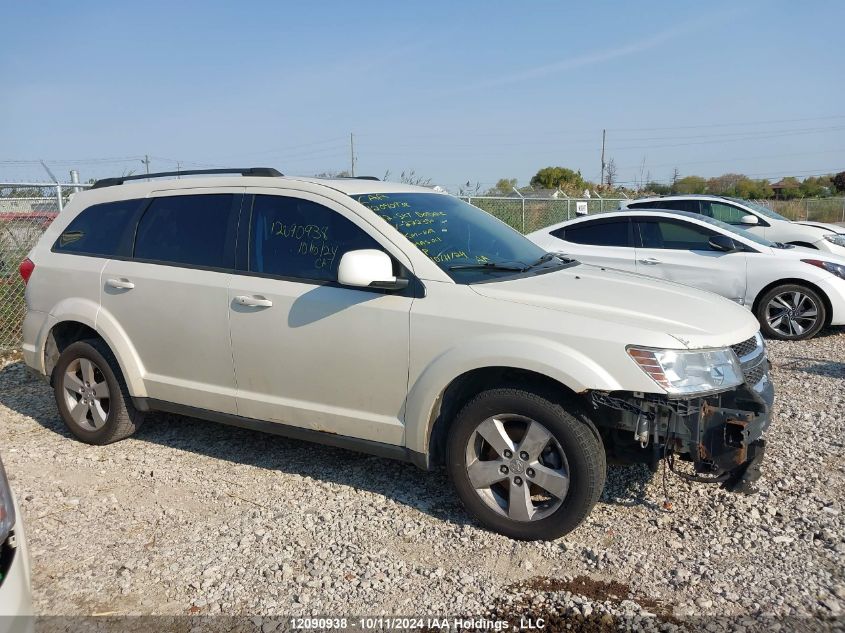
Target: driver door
<point>732,215</point>
<point>307,351</point>
<point>679,251</point>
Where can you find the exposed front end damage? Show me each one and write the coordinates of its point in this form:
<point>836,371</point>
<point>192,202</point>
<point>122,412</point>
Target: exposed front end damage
<point>721,434</point>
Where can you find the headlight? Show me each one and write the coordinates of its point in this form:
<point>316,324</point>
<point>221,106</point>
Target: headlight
<point>689,372</point>
<point>836,238</point>
<point>833,269</point>
<point>7,508</point>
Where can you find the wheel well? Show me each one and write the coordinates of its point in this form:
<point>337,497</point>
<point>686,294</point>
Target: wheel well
<point>804,244</point>
<point>463,388</point>
<point>62,335</point>
<point>828,306</point>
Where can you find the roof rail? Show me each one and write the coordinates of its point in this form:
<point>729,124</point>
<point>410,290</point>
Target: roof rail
<point>247,171</point>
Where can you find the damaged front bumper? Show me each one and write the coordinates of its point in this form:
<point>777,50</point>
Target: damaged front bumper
<point>721,434</point>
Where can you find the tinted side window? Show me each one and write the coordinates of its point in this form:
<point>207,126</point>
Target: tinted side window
<point>724,212</point>
<point>292,237</point>
<point>674,235</point>
<point>598,233</point>
<point>98,229</point>
<point>679,205</point>
<point>641,205</point>
<point>189,230</point>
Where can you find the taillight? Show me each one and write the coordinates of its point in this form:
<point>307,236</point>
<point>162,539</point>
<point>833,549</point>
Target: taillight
<point>26,268</point>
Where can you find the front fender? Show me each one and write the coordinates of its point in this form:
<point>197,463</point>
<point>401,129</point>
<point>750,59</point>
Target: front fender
<point>559,362</point>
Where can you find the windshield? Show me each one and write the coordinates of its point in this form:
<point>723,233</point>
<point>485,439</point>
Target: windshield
<point>734,229</point>
<point>467,243</point>
<point>762,209</point>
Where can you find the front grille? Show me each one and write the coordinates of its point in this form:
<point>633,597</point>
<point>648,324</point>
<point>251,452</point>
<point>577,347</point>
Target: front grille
<point>752,358</point>
<point>745,348</point>
<point>755,374</point>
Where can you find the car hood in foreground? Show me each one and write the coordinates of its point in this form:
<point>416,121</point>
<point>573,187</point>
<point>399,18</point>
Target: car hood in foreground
<point>694,317</point>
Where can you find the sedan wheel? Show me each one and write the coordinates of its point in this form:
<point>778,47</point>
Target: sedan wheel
<point>795,313</point>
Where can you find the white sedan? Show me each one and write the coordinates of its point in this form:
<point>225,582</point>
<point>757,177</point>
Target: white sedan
<point>794,292</point>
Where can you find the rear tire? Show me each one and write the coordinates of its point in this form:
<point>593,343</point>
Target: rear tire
<point>91,394</point>
<point>791,312</point>
<point>525,465</point>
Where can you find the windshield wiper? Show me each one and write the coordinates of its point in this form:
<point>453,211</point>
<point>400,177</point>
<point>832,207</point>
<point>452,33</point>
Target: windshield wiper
<point>489,266</point>
<point>550,256</point>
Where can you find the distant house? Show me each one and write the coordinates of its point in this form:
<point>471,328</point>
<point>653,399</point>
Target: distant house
<point>779,187</point>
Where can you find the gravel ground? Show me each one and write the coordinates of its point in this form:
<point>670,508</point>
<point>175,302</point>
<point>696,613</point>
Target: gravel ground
<point>190,517</point>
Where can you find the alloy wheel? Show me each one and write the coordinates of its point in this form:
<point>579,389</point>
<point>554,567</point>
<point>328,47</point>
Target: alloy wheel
<point>792,313</point>
<point>517,467</point>
<point>86,394</point>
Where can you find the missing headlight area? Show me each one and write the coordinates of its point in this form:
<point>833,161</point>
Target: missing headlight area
<point>721,435</point>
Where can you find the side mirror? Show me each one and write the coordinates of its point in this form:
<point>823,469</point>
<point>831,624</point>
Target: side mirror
<point>723,243</point>
<point>368,268</point>
<point>749,220</point>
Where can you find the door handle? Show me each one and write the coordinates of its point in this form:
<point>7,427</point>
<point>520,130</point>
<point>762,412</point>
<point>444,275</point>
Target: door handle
<point>649,261</point>
<point>253,302</point>
<point>122,284</point>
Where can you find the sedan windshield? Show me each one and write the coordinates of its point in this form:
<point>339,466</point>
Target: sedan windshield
<point>762,209</point>
<point>469,244</point>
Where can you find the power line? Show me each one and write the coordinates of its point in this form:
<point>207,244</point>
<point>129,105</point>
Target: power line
<point>711,125</point>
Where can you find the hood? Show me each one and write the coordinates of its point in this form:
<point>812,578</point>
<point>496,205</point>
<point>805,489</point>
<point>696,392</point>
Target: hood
<point>835,228</point>
<point>694,317</point>
<point>802,252</point>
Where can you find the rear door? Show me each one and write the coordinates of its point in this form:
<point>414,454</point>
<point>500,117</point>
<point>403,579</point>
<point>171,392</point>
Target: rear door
<point>601,241</point>
<point>170,296</point>
<point>679,251</point>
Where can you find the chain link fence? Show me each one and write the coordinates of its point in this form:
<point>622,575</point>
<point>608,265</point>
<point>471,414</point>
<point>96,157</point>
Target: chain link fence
<point>26,210</point>
<point>810,209</point>
<point>532,214</point>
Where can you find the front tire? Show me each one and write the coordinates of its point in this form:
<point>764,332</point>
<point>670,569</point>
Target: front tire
<point>791,312</point>
<point>91,394</point>
<point>524,465</point>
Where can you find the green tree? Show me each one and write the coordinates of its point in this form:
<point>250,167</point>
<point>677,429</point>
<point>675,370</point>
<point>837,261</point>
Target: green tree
<point>571,182</point>
<point>791,188</point>
<point>657,189</point>
<point>503,187</point>
<point>725,185</point>
<point>753,189</point>
<point>690,184</point>
<point>839,182</point>
<point>816,186</point>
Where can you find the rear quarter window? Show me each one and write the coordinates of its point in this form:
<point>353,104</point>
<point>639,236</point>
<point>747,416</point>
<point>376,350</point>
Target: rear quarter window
<point>97,230</point>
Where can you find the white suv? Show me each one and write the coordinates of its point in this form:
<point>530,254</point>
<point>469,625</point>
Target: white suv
<point>394,320</point>
<point>754,217</point>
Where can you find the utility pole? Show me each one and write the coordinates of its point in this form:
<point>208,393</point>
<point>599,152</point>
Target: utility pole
<point>178,169</point>
<point>603,134</point>
<point>146,161</point>
<point>352,154</point>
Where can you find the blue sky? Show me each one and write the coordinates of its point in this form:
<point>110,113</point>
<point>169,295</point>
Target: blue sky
<point>455,91</point>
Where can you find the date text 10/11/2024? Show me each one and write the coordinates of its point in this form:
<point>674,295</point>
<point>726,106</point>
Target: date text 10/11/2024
<point>386,623</point>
